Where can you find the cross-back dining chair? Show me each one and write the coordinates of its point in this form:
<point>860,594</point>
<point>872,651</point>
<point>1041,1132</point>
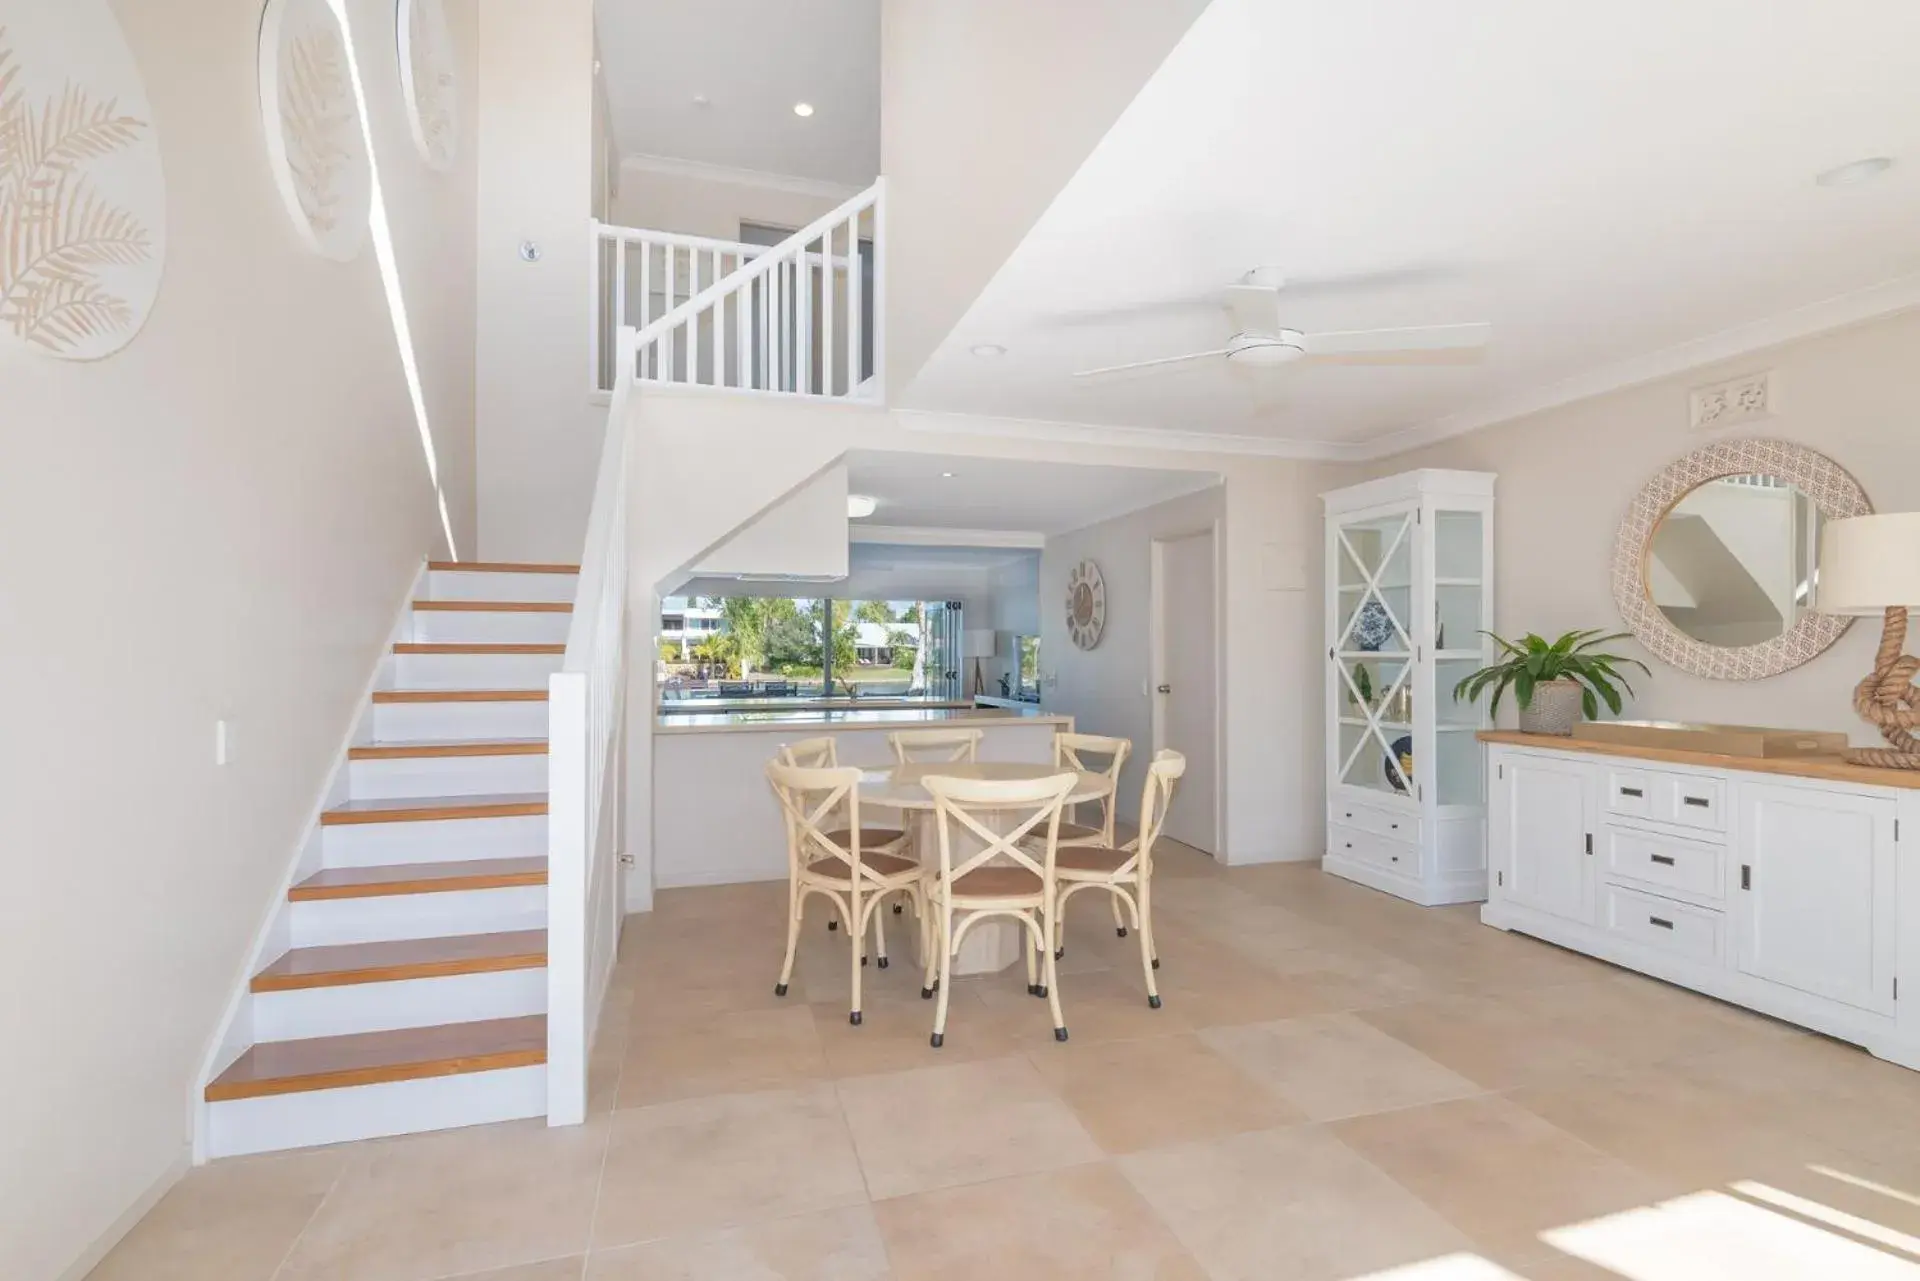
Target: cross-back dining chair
<point>1092,754</point>
<point>1003,877</point>
<point>935,746</point>
<point>1125,871</point>
<point>837,863</point>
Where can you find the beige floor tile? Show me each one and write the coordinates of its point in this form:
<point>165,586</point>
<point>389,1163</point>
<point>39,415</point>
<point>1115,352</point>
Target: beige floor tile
<point>1496,1171</point>
<point>733,1052</point>
<point>1500,1042</point>
<point>1081,1224</point>
<point>724,1161</point>
<point>1104,1006</point>
<point>1293,1203</point>
<point>461,1201</point>
<point>567,1269</point>
<point>1334,1065</point>
<point>1157,1092</point>
<point>230,1221</point>
<point>940,1126</point>
<point>835,1245</point>
<point>892,1036</point>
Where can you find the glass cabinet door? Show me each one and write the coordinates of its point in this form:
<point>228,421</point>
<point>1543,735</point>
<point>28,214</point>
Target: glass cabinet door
<point>1373,650</point>
<point>1459,650</point>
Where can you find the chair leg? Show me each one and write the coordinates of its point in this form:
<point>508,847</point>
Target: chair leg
<point>1146,953</point>
<point>879,934</point>
<point>858,938</point>
<point>1033,964</point>
<point>930,978</point>
<point>794,900</point>
<point>944,986</point>
<point>1053,975</point>
<point>1146,922</point>
<point>1119,923</point>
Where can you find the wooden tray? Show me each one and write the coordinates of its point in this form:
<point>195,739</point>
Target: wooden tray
<point>1721,740</point>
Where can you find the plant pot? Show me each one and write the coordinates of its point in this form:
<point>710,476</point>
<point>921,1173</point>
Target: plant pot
<point>1554,710</point>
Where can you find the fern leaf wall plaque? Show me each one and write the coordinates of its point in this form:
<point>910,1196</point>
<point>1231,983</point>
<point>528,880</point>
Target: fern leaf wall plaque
<point>428,75</point>
<point>316,145</point>
<point>83,197</point>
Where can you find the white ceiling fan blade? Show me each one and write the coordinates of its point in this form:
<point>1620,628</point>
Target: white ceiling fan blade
<point>1421,345</point>
<point>1148,364</point>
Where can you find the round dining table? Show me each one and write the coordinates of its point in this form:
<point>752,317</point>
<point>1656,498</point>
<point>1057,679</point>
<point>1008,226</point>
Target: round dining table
<point>995,943</point>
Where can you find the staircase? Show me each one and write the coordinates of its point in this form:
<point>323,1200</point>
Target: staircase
<point>403,985</point>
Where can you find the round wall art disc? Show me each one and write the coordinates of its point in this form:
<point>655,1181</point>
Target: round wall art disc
<point>83,200</point>
<point>314,140</point>
<point>428,76</point>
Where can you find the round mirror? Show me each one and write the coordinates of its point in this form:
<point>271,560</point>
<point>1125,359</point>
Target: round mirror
<point>1715,566</point>
<point>1732,562</point>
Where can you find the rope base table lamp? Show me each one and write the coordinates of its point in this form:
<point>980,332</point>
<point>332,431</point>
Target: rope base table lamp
<point>1871,565</point>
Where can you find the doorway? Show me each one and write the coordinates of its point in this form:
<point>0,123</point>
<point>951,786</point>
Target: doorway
<point>1186,680</point>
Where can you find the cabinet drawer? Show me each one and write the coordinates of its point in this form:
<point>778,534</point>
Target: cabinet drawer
<point>1629,792</point>
<point>1691,800</point>
<point>1377,819</point>
<point>1370,847</point>
<point>1665,862</point>
<point>1662,924</point>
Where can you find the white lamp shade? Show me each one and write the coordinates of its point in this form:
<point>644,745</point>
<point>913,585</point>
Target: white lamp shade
<point>979,643</point>
<point>1868,563</point>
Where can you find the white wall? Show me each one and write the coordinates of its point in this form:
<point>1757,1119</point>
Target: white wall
<point>538,430</point>
<point>1016,612</point>
<point>1568,475</point>
<point>218,522</point>
<point>686,200</point>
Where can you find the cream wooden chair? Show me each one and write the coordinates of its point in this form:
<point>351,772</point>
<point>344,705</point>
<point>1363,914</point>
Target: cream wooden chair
<point>935,746</point>
<point>1125,872</point>
<point>1084,752</point>
<point>837,863</point>
<point>824,753</point>
<point>965,890</point>
<point>812,753</point>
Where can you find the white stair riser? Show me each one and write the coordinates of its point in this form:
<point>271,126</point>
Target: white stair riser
<point>489,627</point>
<point>475,585</point>
<point>314,1117</point>
<point>382,1007</point>
<point>322,922</point>
<point>449,722</point>
<point>445,776</point>
<point>435,841</point>
<point>474,671</point>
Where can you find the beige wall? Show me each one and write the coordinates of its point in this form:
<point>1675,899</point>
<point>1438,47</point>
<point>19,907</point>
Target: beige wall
<point>699,205</point>
<point>537,428</point>
<point>220,521</point>
<point>1567,476</point>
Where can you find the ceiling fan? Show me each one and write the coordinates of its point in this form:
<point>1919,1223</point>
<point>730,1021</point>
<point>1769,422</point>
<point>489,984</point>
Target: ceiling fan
<point>1260,340</point>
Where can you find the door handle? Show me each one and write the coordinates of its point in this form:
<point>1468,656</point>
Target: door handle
<point>1166,689</point>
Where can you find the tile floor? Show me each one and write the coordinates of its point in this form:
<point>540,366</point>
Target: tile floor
<point>1340,1085</point>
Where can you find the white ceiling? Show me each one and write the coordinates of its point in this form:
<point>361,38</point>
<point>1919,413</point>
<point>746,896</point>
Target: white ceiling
<point>881,557</point>
<point>1006,494</point>
<point>752,60</point>
<point>1604,183</point>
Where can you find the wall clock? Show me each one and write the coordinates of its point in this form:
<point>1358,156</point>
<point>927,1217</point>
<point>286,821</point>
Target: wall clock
<point>1086,604</point>
<point>83,201</point>
<point>314,141</point>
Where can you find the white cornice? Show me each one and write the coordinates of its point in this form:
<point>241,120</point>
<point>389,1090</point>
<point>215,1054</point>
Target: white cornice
<point>932,536</point>
<point>1186,442</point>
<point>1899,294</point>
<point>790,183</point>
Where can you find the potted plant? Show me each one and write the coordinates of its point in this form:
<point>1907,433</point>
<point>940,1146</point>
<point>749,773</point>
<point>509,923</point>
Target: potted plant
<point>1553,680</point>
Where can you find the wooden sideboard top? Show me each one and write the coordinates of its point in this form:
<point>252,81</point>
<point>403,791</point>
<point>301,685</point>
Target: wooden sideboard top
<point>1832,768</point>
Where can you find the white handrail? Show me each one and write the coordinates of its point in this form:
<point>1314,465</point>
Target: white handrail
<point>804,315</point>
<point>586,708</point>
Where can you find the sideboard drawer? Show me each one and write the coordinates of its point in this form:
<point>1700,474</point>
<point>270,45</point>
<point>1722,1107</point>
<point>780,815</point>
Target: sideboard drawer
<point>1659,861</point>
<point>1378,819</point>
<point>1663,924</point>
<point>1629,792</point>
<point>1691,800</point>
<point>1372,848</point>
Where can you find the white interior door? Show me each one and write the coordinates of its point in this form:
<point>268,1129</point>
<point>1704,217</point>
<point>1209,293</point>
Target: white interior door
<point>1186,683</point>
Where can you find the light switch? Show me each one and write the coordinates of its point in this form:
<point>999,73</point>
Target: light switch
<point>222,742</point>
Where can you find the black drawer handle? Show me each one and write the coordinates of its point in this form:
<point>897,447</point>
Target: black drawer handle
<point>1349,844</point>
<point>1660,921</point>
<point>1631,791</point>
<point>1395,826</point>
<point>1665,860</point>
<point>1699,801</point>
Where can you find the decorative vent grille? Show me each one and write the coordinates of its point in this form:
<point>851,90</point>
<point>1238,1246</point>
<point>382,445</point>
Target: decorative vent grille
<point>1746,399</point>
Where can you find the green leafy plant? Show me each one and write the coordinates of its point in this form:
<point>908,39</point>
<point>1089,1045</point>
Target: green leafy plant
<point>1533,660</point>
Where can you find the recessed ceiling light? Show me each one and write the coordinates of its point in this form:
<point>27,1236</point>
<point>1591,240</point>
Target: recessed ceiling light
<point>1859,171</point>
<point>946,475</point>
<point>701,100</point>
<point>860,506</point>
<point>803,109</point>
<point>989,350</point>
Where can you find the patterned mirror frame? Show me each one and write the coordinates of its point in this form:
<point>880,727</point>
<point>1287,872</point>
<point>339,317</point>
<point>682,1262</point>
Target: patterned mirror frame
<point>1836,494</point>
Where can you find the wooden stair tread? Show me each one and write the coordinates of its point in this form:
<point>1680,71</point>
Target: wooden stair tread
<point>388,961</point>
<point>473,647</point>
<point>496,567</point>
<point>460,696</point>
<point>421,748</point>
<point>419,809</point>
<point>420,878</point>
<point>368,1058</point>
<point>497,606</point>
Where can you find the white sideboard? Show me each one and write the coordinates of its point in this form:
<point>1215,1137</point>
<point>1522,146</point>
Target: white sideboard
<point>1792,888</point>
